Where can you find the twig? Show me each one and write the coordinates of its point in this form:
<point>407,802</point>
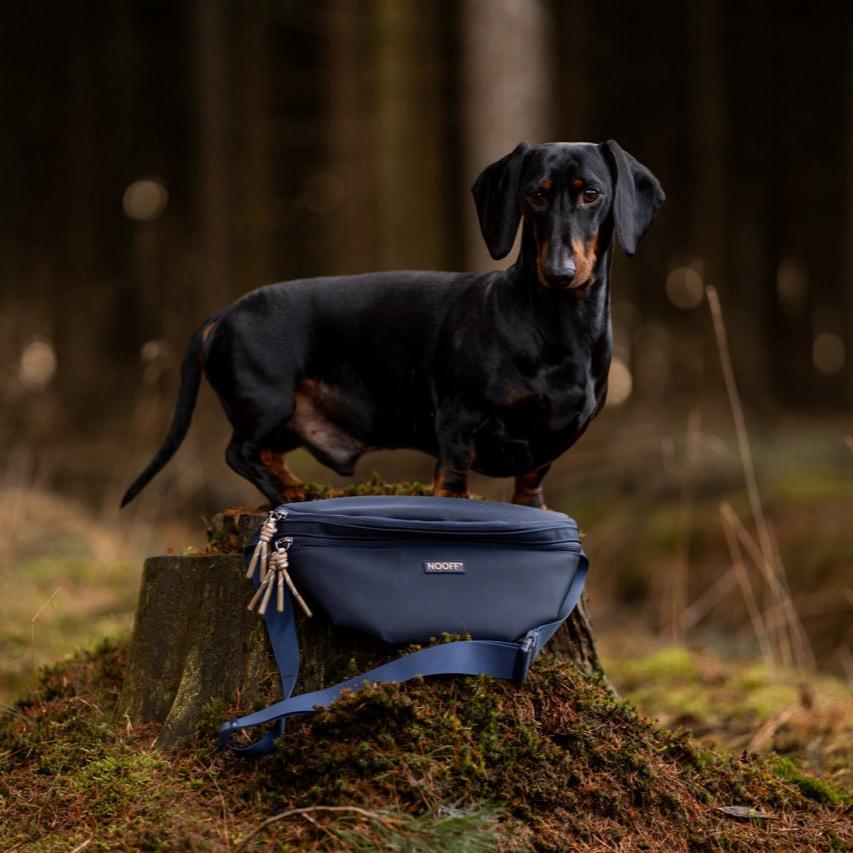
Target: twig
<point>226,814</point>
<point>709,599</point>
<point>33,624</point>
<point>783,611</point>
<point>741,432</point>
<point>678,585</point>
<point>324,829</point>
<point>736,554</point>
<point>769,550</point>
<point>767,731</point>
<point>770,560</point>
<point>387,822</point>
<point>82,846</point>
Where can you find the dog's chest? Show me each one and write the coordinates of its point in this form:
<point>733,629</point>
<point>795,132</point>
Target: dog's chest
<point>546,399</point>
<point>535,418</point>
<point>549,381</point>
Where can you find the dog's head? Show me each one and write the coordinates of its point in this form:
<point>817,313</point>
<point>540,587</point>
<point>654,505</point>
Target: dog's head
<point>574,196</point>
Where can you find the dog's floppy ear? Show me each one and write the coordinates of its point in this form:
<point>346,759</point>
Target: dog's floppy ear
<point>637,196</point>
<point>498,204</point>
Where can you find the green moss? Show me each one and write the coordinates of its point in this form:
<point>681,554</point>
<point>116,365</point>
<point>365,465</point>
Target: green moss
<point>110,781</point>
<point>815,789</point>
<point>372,485</point>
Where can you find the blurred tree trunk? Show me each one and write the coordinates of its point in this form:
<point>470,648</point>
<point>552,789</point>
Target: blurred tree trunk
<point>407,135</point>
<point>349,143</point>
<point>507,93</point>
<point>847,242</point>
<point>72,312</point>
<point>573,25</point>
<point>751,291</point>
<point>256,266</point>
<point>709,142</point>
<point>210,84</point>
<point>709,236</point>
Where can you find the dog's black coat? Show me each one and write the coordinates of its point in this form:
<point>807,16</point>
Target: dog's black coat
<point>498,372</point>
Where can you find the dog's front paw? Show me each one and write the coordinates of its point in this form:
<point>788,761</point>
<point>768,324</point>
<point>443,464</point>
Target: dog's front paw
<point>449,493</point>
<point>534,499</point>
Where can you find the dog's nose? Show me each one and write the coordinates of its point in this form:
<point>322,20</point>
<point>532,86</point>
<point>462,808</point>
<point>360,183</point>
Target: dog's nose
<point>561,276</point>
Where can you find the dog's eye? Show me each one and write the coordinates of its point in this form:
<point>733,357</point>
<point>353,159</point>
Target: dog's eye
<point>536,196</point>
<point>590,195</point>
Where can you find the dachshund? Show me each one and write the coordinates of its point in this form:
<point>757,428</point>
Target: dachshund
<point>498,372</point>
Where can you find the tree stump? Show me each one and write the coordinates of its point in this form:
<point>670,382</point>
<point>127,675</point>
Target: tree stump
<point>195,642</point>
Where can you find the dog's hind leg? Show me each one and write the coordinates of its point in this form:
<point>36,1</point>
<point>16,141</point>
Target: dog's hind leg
<point>528,488</point>
<point>247,460</point>
<point>291,485</point>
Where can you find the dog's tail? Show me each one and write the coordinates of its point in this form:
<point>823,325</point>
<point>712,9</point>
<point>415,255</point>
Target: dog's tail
<point>187,395</point>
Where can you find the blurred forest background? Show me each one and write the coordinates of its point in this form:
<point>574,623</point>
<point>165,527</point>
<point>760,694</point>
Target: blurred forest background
<point>162,158</point>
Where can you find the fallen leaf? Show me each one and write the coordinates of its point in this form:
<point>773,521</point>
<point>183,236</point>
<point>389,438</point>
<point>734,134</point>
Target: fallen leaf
<point>743,812</point>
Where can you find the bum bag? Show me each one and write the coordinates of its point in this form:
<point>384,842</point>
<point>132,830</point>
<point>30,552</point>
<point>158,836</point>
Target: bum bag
<point>404,570</point>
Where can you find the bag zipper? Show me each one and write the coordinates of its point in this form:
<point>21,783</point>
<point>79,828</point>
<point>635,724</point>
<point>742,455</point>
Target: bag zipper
<point>466,529</point>
<point>560,545</point>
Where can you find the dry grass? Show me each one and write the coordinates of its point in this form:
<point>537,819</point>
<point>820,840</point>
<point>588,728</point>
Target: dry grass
<point>67,578</point>
<point>780,632</point>
<point>737,704</point>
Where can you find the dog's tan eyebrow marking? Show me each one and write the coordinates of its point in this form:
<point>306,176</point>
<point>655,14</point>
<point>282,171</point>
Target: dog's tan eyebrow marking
<point>577,183</point>
<point>546,184</point>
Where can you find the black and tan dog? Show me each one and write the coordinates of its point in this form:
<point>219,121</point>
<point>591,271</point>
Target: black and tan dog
<point>499,372</point>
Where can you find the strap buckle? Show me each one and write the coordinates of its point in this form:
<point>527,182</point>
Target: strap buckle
<point>225,732</point>
<point>525,657</point>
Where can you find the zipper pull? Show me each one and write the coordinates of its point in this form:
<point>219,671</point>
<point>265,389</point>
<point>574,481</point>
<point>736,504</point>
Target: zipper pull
<point>262,549</point>
<point>276,578</point>
<point>279,561</point>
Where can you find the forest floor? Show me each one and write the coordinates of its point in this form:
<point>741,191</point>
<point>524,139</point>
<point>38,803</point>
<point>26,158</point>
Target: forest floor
<point>745,754</point>
<point>442,764</point>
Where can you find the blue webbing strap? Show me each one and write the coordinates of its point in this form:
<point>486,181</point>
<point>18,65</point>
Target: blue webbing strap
<point>464,657</point>
<point>281,629</point>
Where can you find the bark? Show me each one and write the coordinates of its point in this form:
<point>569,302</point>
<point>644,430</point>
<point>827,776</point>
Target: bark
<point>507,93</point>
<point>210,82</point>
<point>352,228</point>
<point>407,141</point>
<point>255,148</point>
<point>194,641</point>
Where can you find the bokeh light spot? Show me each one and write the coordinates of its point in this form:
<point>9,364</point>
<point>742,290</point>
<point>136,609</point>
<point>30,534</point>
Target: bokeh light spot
<point>828,353</point>
<point>37,364</point>
<point>154,350</point>
<point>685,287</point>
<point>619,383</point>
<point>145,200</point>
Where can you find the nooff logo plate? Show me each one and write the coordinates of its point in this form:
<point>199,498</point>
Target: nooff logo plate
<point>444,567</point>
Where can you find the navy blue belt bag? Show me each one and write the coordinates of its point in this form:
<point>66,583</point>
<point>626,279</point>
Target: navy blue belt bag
<point>404,570</point>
